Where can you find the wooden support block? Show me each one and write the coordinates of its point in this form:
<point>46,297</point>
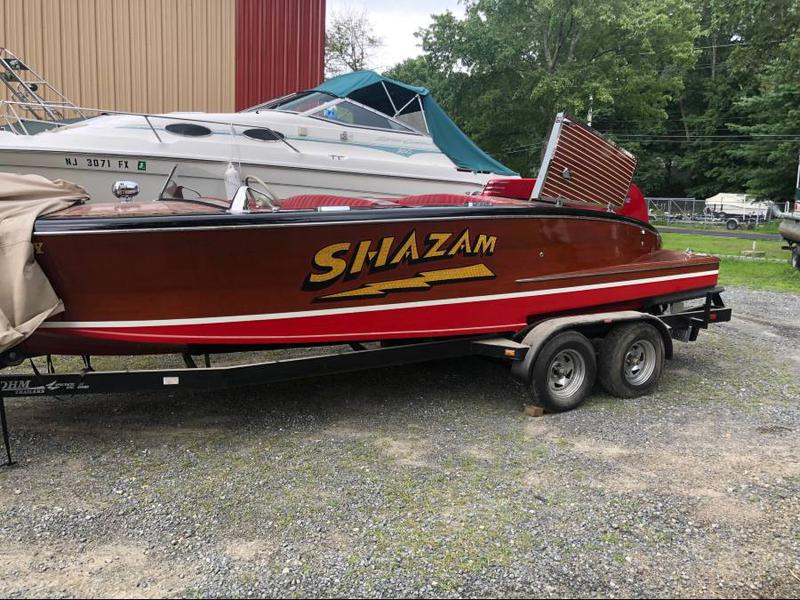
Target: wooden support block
<point>754,253</point>
<point>533,411</point>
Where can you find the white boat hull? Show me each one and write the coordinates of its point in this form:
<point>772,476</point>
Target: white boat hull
<point>97,173</point>
<point>315,157</point>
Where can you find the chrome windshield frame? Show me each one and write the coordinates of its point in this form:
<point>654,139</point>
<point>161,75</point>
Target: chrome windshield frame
<point>283,99</point>
<point>406,129</point>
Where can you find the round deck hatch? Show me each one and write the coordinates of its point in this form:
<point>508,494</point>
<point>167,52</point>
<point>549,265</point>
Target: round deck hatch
<point>190,129</point>
<point>263,135</point>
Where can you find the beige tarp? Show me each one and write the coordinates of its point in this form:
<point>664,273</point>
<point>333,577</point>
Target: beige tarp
<point>26,296</point>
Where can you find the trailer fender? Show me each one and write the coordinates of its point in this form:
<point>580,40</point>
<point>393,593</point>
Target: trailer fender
<point>540,333</point>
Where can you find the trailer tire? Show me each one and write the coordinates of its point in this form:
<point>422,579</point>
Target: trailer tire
<point>631,360</point>
<point>795,258</point>
<point>564,372</point>
<point>732,225</point>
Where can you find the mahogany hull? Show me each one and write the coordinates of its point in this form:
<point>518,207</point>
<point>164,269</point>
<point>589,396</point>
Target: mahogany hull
<point>167,284</point>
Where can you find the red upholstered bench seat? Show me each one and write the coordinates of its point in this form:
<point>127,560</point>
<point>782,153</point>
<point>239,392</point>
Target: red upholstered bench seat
<point>312,201</point>
<point>452,200</point>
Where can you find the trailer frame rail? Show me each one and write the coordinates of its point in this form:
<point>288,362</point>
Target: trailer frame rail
<point>683,325</point>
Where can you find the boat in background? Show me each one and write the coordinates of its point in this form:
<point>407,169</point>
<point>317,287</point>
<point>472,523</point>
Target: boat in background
<point>789,229</point>
<point>196,274</point>
<point>357,135</point>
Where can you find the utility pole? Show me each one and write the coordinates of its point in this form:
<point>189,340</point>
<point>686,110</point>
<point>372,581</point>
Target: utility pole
<point>797,186</point>
<point>589,123</point>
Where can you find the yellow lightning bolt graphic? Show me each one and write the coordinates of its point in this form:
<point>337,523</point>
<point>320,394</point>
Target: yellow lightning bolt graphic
<point>422,281</point>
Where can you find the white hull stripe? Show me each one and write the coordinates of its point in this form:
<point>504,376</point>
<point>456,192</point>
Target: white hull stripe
<point>373,307</point>
<point>324,336</point>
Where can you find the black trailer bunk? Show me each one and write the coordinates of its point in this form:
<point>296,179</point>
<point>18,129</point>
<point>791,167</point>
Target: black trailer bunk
<point>541,356</point>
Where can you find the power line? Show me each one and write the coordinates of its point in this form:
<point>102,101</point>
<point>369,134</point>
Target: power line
<point>736,44</point>
<point>767,43</point>
<point>691,142</point>
<point>742,135</point>
<point>710,142</point>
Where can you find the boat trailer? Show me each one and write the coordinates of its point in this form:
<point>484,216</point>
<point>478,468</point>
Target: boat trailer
<point>523,350</point>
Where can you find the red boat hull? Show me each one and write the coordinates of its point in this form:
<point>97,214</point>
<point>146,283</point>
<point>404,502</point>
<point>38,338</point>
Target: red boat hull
<point>147,286</point>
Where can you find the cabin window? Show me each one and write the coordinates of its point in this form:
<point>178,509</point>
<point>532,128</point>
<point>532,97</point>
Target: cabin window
<point>352,114</point>
<point>190,129</point>
<point>263,135</point>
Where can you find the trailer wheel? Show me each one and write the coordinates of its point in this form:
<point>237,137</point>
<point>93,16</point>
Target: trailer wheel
<point>631,360</point>
<point>11,358</point>
<point>732,224</point>
<point>564,372</point>
<point>795,258</point>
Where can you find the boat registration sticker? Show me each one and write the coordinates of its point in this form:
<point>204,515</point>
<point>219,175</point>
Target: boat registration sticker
<point>105,163</point>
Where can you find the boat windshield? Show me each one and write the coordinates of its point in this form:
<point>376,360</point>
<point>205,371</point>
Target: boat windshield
<point>174,191</point>
<point>350,113</point>
<point>322,105</point>
<point>296,103</point>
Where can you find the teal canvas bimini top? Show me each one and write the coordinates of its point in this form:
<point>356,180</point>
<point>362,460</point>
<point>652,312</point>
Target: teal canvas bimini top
<point>397,98</point>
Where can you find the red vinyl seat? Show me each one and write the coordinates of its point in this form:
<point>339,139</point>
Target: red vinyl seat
<point>434,200</point>
<point>510,187</point>
<point>312,201</point>
<point>454,200</point>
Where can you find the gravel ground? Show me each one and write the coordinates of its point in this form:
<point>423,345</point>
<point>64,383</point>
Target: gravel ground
<point>423,481</point>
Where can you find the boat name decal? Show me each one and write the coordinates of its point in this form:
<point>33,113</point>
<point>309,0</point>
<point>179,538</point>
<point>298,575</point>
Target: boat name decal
<point>421,281</point>
<point>348,260</point>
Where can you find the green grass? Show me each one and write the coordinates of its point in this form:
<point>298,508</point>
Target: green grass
<point>768,227</point>
<point>763,275</point>
<point>723,245</point>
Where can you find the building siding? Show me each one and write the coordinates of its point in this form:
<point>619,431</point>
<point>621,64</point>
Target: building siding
<point>279,48</point>
<point>130,55</point>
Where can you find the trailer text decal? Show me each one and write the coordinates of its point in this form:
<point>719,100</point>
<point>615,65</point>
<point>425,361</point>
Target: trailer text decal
<point>348,260</point>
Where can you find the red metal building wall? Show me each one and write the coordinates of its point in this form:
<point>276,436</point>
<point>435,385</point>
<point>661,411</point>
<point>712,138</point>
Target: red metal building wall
<point>280,47</point>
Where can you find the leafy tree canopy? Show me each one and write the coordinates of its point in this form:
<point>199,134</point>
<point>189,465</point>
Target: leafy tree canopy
<point>349,43</point>
<point>704,92</point>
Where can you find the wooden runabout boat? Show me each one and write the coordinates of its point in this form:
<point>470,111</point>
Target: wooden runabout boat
<point>258,271</point>
<point>160,278</point>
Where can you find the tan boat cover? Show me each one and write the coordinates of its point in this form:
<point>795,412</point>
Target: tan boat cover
<point>26,296</point>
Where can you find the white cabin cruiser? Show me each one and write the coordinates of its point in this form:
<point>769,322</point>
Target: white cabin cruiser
<point>358,134</point>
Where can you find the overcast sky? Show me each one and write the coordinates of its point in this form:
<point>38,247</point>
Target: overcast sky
<point>395,22</point>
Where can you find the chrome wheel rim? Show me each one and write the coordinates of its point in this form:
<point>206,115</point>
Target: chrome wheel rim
<point>566,373</point>
<point>640,362</point>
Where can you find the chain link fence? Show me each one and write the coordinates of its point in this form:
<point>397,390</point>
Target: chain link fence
<point>694,210</point>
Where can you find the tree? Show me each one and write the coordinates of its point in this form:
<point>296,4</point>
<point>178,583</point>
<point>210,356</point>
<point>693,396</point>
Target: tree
<point>771,106</point>
<point>349,43</point>
<point>507,67</point>
<point>706,93</point>
<point>741,100</point>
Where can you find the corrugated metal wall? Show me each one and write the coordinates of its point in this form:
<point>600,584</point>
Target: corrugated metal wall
<point>136,55</point>
<point>279,48</point>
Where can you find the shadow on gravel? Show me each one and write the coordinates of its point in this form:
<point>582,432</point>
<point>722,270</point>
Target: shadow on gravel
<point>375,397</point>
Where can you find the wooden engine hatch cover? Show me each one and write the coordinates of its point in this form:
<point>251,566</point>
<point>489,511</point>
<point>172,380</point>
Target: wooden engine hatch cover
<point>581,165</point>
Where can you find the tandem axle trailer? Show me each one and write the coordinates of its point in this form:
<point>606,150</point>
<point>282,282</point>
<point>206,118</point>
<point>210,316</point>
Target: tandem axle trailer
<point>557,358</point>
